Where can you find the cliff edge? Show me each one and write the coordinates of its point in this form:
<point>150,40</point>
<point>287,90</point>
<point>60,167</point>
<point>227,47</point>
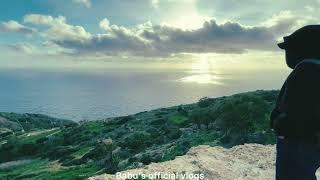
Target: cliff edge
<point>249,161</point>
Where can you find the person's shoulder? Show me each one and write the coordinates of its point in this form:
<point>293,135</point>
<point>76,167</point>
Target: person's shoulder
<point>308,67</point>
<point>306,75</point>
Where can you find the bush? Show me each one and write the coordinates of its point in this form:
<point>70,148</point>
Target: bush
<point>173,133</point>
<point>60,152</point>
<point>205,102</point>
<point>4,132</point>
<point>241,115</point>
<point>42,140</point>
<point>202,116</point>
<point>182,111</point>
<point>28,149</point>
<point>178,149</point>
<point>137,141</point>
<point>159,121</point>
<point>123,120</point>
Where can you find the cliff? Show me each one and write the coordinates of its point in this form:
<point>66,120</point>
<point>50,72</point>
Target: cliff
<point>249,162</point>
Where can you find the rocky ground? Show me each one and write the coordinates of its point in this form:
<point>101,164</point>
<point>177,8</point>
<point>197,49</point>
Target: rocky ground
<point>249,162</point>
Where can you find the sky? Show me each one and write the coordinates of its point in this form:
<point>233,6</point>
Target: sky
<point>148,34</point>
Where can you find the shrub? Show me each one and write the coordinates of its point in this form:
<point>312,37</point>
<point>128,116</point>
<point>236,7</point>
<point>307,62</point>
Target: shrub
<point>202,116</point>
<point>205,102</point>
<point>28,149</point>
<point>137,141</point>
<point>173,133</point>
<point>60,152</point>
<point>182,111</point>
<point>242,114</point>
<point>123,120</point>
<point>178,149</point>
<point>42,140</point>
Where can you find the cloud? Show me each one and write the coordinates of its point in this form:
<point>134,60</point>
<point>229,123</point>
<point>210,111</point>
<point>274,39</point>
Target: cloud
<point>155,4</point>
<point>13,26</point>
<point>39,19</point>
<point>22,47</point>
<point>45,48</point>
<point>86,3</point>
<point>148,40</point>
<point>285,21</point>
<point>104,24</point>
<point>309,8</point>
<point>58,29</point>
<point>119,40</point>
<point>158,40</point>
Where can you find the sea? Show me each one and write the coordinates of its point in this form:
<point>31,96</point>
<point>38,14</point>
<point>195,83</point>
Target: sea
<point>94,95</point>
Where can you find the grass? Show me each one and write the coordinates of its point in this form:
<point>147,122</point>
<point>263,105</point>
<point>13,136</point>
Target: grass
<point>43,169</point>
<point>34,168</point>
<point>74,172</point>
<point>13,164</point>
<point>31,138</point>
<point>178,119</point>
<point>95,126</point>
<point>78,154</point>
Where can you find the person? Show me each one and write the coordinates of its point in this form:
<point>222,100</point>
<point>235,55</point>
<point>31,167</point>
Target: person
<point>296,116</point>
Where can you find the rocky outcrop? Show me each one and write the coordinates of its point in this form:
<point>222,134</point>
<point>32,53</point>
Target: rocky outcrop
<point>249,162</point>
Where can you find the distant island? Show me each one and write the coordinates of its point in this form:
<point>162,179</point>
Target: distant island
<point>41,147</point>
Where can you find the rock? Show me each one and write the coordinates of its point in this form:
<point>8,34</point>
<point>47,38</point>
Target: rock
<point>249,162</point>
<point>107,142</point>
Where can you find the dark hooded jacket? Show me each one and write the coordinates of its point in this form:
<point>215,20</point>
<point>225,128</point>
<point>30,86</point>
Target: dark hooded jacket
<point>299,102</point>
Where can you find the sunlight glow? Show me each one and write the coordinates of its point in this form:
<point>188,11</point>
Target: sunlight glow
<point>202,79</point>
<point>202,64</point>
<point>202,71</point>
<point>186,16</point>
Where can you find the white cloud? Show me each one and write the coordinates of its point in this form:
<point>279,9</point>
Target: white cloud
<point>22,47</point>
<point>163,41</point>
<point>14,26</point>
<point>285,22</point>
<point>148,40</point>
<point>39,19</point>
<point>58,29</point>
<point>46,48</point>
<point>309,8</point>
<point>86,3</point>
<point>104,24</point>
<point>155,4</point>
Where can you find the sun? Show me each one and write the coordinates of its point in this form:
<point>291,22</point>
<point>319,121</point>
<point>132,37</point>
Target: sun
<point>185,16</point>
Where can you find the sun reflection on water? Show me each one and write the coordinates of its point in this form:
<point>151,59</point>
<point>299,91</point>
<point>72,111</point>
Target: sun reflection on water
<point>203,71</point>
<point>202,79</point>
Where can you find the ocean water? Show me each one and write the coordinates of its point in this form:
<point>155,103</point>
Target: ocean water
<point>95,95</point>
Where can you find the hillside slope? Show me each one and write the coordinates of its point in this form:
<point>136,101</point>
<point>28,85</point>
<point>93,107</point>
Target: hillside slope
<point>249,162</point>
<point>29,122</point>
<point>121,143</point>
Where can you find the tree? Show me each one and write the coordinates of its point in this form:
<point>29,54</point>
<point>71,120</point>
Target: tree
<point>202,116</point>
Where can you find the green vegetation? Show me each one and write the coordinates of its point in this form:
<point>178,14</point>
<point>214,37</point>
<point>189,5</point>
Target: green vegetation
<point>77,151</point>
<point>30,122</point>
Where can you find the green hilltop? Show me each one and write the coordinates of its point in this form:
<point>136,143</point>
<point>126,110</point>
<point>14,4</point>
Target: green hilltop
<point>11,123</point>
<point>61,149</point>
